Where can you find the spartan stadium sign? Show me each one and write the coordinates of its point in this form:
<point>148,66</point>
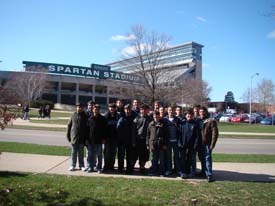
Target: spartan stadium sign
<point>96,71</point>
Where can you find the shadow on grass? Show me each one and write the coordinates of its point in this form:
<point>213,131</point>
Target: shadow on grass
<point>5,174</point>
<point>221,175</point>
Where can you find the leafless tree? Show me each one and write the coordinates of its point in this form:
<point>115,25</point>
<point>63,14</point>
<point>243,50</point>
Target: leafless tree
<point>26,86</point>
<point>266,93</point>
<point>147,48</point>
<point>191,91</point>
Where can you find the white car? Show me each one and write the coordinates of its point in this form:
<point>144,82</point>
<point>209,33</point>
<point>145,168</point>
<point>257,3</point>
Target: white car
<point>226,118</point>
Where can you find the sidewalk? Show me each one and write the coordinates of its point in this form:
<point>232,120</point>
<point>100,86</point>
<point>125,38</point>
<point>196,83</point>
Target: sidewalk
<point>18,162</point>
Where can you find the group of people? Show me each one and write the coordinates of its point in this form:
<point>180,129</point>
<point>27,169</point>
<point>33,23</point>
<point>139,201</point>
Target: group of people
<point>44,111</point>
<point>131,132</point>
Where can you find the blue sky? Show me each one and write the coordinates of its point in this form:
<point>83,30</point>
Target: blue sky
<point>238,37</point>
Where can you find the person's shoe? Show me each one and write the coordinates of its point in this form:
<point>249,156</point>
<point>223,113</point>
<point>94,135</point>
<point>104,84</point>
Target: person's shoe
<point>71,168</point>
<point>210,178</point>
<point>184,176</point>
<point>162,175</point>
<point>89,170</point>
<point>168,173</point>
<point>83,169</point>
<point>201,174</point>
<point>99,171</point>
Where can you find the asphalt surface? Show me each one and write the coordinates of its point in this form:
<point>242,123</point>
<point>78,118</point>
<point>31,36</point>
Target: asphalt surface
<point>224,145</point>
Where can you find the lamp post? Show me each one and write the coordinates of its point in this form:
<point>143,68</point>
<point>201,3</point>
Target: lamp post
<point>250,102</point>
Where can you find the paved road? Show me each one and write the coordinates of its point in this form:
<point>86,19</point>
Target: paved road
<point>224,145</point>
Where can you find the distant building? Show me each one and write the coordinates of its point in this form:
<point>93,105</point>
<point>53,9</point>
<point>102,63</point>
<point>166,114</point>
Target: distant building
<point>68,84</point>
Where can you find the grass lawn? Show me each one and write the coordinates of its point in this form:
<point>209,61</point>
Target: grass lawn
<point>243,127</point>
<point>42,189</point>
<point>34,113</point>
<point>65,151</point>
<point>38,128</point>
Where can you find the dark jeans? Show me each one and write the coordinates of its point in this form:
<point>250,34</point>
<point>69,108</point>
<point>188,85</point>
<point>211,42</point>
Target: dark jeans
<point>172,149</point>
<point>141,153</point>
<point>110,151</point>
<point>186,156</point>
<point>122,151</point>
<point>158,161</point>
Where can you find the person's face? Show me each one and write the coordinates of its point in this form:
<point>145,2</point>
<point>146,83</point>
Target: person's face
<point>90,107</point>
<point>142,111</point>
<point>156,106</point>
<point>170,111</point>
<point>178,112</point>
<point>161,111</point>
<point>189,117</point>
<point>78,109</point>
<point>119,104</point>
<point>196,111</point>
<point>156,118</point>
<point>96,111</point>
<point>135,103</point>
<point>112,109</point>
<point>202,113</point>
<point>127,112</point>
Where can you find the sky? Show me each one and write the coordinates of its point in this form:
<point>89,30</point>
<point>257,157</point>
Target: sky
<point>238,35</point>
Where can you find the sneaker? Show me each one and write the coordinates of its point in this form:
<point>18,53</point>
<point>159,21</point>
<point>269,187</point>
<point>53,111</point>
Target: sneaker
<point>71,168</point>
<point>210,178</point>
<point>90,170</point>
<point>168,173</point>
<point>83,169</point>
<point>162,175</point>
<point>99,171</point>
<point>184,176</point>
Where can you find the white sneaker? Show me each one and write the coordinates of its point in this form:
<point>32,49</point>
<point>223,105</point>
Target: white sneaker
<point>99,172</point>
<point>71,168</point>
<point>90,170</point>
<point>83,169</point>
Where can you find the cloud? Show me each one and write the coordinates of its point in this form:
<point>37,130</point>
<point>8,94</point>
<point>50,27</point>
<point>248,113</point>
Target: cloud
<point>123,38</point>
<point>271,35</point>
<point>201,19</point>
<point>128,51</point>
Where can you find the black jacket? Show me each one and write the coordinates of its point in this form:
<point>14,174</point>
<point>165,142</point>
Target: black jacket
<point>111,126</point>
<point>189,134</point>
<point>97,130</point>
<point>124,130</point>
<point>140,126</point>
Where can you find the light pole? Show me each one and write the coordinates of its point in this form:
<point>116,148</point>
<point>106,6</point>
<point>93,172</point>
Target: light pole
<point>250,102</point>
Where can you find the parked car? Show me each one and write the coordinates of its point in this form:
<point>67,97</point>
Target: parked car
<point>268,121</point>
<point>226,118</point>
<point>218,116</point>
<point>238,118</point>
<point>254,119</point>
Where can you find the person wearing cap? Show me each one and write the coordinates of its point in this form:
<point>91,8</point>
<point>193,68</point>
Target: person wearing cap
<point>110,147</point>
<point>76,134</point>
<point>139,137</point>
<point>124,131</point>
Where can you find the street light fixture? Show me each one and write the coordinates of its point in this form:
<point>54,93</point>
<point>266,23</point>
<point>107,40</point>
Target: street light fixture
<point>250,102</point>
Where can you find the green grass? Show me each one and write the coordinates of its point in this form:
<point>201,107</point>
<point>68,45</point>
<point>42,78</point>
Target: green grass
<point>34,113</point>
<point>50,121</point>
<point>43,189</point>
<point>38,128</point>
<point>34,149</point>
<point>65,151</point>
<point>243,127</point>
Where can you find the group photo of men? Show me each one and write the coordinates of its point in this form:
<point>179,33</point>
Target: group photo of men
<point>168,137</point>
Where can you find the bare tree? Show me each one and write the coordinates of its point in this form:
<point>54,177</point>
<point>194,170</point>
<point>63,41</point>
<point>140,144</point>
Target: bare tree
<point>266,93</point>
<point>147,48</point>
<point>26,86</point>
<point>191,91</point>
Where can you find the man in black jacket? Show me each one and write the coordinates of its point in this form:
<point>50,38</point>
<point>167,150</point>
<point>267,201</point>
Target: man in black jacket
<point>124,130</point>
<point>110,148</point>
<point>76,133</point>
<point>139,137</point>
<point>97,126</point>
